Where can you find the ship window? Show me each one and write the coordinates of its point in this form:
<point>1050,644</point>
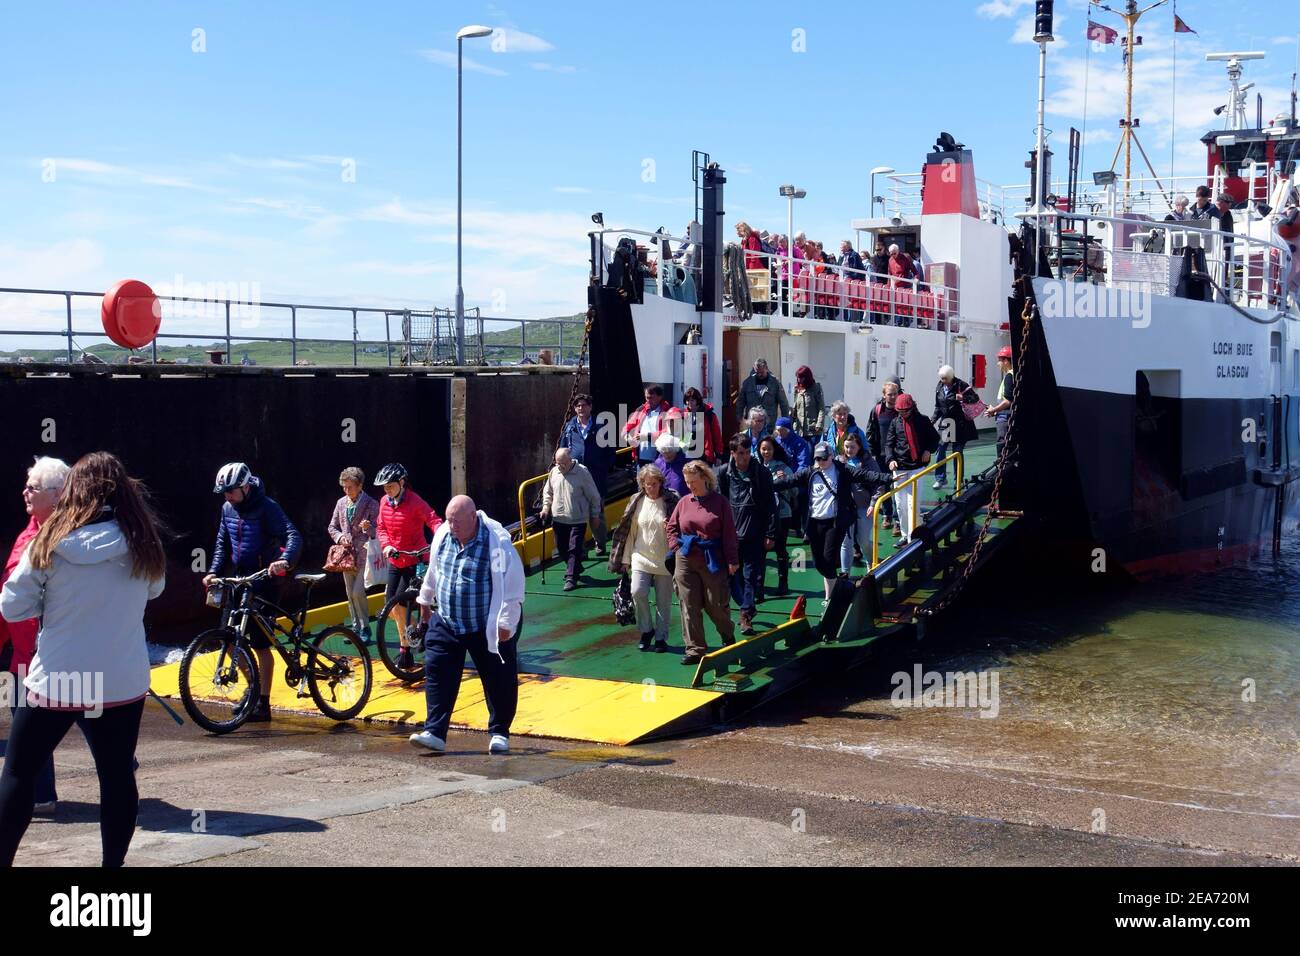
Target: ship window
<point>1275,348</point>
<point>1295,368</point>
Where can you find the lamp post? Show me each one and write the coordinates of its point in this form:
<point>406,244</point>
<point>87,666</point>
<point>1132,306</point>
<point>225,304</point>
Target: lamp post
<point>791,194</point>
<point>465,33</point>
<point>882,171</point>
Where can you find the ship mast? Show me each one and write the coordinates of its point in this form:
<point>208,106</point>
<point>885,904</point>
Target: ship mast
<point>1130,15</point>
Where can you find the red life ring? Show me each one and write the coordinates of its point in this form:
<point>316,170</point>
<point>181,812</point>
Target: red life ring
<point>131,314</point>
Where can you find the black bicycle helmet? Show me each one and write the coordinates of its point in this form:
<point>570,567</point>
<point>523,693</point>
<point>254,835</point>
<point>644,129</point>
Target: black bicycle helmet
<point>394,471</point>
<point>231,476</point>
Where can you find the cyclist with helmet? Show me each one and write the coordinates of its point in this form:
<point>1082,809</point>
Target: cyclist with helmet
<point>403,516</point>
<point>1000,411</point>
<point>254,532</point>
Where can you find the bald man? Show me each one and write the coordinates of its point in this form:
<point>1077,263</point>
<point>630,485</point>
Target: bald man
<point>570,500</point>
<point>476,579</point>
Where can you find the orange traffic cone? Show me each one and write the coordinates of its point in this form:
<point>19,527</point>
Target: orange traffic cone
<point>798,610</point>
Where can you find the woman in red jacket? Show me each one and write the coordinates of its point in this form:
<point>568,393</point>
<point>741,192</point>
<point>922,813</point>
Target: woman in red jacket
<point>403,516</point>
<point>752,244</point>
<point>44,485</point>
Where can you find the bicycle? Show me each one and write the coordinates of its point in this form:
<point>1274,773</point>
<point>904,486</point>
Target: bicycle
<point>219,678</point>
<point>390,638</point>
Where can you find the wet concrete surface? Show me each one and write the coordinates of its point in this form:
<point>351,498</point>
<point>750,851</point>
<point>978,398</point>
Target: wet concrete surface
<point>824,777</point>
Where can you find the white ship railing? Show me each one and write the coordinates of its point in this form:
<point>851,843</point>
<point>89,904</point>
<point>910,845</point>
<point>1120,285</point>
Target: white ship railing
<point>1251,272</point>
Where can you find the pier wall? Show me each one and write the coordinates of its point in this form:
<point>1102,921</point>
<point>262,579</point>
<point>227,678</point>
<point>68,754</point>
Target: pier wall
<point>297,432</point>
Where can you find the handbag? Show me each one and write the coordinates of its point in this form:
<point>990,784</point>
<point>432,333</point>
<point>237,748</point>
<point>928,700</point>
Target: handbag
<point>341,558</point>
<point>972,409</point>
<point>376,563</point>
<point>624,609</point>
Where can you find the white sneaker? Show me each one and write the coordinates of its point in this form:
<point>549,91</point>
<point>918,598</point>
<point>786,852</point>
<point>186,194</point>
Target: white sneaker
<point>428,741</point>
<point>45,809</point>
<point>499,744</point>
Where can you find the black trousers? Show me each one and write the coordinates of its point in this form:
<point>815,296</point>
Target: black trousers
<point>825,536</point>
<point>112,737</point>
<point>444,663</point>
<point>570,538</point>
<point>782,548</point>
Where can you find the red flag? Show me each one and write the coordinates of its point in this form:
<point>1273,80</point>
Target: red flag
<point>1100,33</point>
<point>1181,27</point>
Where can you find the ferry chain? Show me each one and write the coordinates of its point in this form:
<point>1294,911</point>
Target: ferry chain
<point>573,391</point>
<point>1007,456</point>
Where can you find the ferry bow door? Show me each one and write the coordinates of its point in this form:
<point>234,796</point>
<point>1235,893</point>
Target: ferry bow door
<point>1157,444</point>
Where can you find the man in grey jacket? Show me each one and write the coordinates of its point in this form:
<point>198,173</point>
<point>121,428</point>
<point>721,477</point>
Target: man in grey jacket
<point>570,499</point>
<point>765,389</point>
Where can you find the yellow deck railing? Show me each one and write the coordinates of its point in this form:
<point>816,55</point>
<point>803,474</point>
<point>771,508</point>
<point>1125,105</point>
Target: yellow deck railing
<point>543,551</point>
<point>916,500</point>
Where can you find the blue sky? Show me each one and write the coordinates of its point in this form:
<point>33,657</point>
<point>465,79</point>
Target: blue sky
<point>127,153</point>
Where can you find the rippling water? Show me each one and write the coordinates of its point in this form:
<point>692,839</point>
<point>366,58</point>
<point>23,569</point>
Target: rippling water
<point>1149,683</point>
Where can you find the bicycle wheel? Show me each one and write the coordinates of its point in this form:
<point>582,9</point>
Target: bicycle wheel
<point>219,682</point>
<point>338,673</point>
<point>388,639</point>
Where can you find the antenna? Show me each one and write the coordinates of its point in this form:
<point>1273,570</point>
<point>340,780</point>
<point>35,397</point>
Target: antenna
<point>1236,105</point>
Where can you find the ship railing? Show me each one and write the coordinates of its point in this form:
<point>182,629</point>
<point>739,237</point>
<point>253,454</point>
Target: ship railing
<point>912,481</point>
<point>1146,194</point>
<point>901,196</point>
<point>1251,271</point>
<point>678,278</point>
<point>227,323</point>
<point>840,293</point>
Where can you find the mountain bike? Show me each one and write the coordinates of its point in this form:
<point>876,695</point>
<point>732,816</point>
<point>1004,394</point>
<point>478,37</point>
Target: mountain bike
<point>393,632</point>
<point>219,678</point>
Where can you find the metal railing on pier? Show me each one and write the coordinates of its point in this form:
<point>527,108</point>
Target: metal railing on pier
<point>373,336</point>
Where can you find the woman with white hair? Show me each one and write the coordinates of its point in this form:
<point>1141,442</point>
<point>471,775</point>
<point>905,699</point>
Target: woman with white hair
<point>44,485</point>
<point>671,461</point>
<point>954,428</point>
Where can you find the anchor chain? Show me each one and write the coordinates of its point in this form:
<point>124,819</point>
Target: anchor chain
<point>1007,456</point>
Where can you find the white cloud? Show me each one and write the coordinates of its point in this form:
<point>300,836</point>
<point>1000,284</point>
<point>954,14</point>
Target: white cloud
<point>70,264</point>
<point>570,189</point>
<point>553,68</point>
<point>507,40</point>
<point>270,162</point>
<point>443,58</point>
<point>92,166</point>
<point>402,268</point>
<point>396,211</point>
<point>176,182</point>
<point>998,9</point>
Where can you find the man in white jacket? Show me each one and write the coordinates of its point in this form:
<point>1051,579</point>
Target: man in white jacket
<point>477,580</point>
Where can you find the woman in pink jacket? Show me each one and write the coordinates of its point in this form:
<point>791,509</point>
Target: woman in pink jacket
<point>44,484</point>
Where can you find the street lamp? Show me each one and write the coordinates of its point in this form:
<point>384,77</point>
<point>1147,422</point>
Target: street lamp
<point>791,194</point>
<point>465,33</point>
<point>883,171</point>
